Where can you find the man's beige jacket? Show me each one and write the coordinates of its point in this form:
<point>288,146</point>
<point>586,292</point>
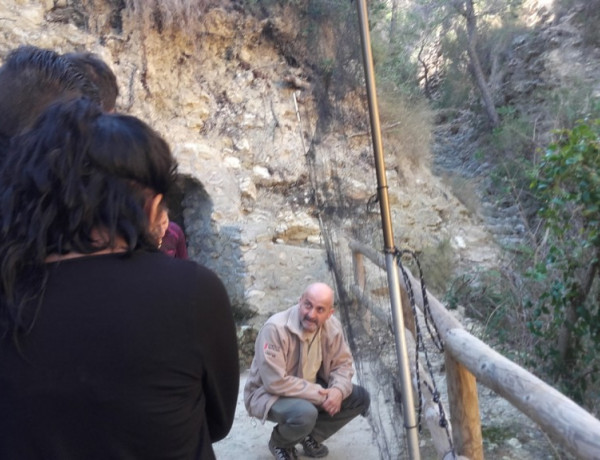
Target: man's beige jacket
<point>279,352</point>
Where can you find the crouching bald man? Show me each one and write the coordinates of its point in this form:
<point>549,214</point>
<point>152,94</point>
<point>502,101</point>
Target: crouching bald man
<point>301,376</point>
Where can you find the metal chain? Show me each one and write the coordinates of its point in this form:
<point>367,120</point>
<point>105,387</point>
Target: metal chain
<point>429,322</point>
<point>420,343</point>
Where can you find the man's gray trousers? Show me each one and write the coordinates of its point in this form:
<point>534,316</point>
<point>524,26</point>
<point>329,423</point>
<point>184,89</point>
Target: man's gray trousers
<point>296,418</point>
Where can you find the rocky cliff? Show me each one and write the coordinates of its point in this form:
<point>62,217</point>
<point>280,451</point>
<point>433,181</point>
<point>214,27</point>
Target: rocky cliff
<point>240,112</point>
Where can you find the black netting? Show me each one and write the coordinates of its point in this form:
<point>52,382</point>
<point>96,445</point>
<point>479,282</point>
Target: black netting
<point>368,320</point>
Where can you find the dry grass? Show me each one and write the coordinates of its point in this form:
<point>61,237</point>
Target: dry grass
<point>406,129</point>
<point>439,264</point>
<point>169,14</point>
<point>465,190</point>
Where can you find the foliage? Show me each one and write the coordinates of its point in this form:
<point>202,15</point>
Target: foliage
<point>568,174</point>
<point>566,316</point>
<point>493,297</point>
<point>511,147</point>
<point>457,88</point>
<point>571,103</point>
<point>392,48</point>
<point>514,137</point>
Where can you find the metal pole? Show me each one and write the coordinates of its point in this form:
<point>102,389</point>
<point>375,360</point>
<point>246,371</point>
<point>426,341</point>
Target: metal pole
<point>410,423</point>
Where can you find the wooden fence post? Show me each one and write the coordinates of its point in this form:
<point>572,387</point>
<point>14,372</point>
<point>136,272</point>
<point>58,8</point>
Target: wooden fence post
<point>464,410</point>
<point>407,313</point>
<point>358,261</point>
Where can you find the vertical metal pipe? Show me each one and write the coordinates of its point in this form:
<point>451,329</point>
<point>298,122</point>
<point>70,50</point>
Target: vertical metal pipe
<point>410,423</point>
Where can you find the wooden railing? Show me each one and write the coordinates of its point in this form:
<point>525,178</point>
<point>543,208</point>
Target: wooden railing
<point>468,360</point>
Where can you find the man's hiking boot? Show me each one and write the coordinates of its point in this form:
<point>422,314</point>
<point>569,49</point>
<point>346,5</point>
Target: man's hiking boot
<point>314,449</point>
<point>282,453</point>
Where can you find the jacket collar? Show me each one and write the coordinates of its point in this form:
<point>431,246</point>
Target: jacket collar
<point>293,321</point>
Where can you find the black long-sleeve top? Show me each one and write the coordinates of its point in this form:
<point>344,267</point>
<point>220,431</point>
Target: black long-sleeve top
<point>130,357</point>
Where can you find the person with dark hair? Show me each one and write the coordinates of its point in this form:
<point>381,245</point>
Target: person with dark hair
<point>100,74</point>
<point>301,376</point>
<point>97,359</point>
<point>173,241</point>
<point>171,237</point>
<point>31,79</point>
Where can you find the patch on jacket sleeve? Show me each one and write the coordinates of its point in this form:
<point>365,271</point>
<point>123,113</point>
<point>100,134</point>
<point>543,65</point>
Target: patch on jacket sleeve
<point>270,349</point>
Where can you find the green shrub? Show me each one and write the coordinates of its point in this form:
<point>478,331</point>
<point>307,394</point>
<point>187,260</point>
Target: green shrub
<point>566,316</point>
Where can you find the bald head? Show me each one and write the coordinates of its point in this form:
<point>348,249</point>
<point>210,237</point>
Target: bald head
<point>316,306</point>
<point>322,291</point>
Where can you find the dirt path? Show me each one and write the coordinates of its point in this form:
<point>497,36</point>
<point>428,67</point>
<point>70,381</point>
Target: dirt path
<point>248,438</point>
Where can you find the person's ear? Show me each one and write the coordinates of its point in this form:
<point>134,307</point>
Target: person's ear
<point>331,312</point>
<point>153,207</point>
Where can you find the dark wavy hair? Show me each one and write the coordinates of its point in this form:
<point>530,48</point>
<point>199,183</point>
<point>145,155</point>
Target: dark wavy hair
<point>76,171</point>
<point>100,74</point>
<point>32,78</point>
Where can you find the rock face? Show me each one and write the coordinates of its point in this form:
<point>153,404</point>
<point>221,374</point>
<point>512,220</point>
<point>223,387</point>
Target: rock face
<point>223,93</point>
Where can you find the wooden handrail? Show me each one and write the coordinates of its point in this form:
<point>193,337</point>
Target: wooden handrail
<point>462,398</point>
<point>573,427</point>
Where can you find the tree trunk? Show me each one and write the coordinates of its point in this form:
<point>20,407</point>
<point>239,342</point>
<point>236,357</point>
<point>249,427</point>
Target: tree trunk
<point>394,21</point>
<point>469,15</point>
<point>566,343</point>
<point>425,71</point>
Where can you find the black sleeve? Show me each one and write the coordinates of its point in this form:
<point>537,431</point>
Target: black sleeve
<point>220,357</point>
